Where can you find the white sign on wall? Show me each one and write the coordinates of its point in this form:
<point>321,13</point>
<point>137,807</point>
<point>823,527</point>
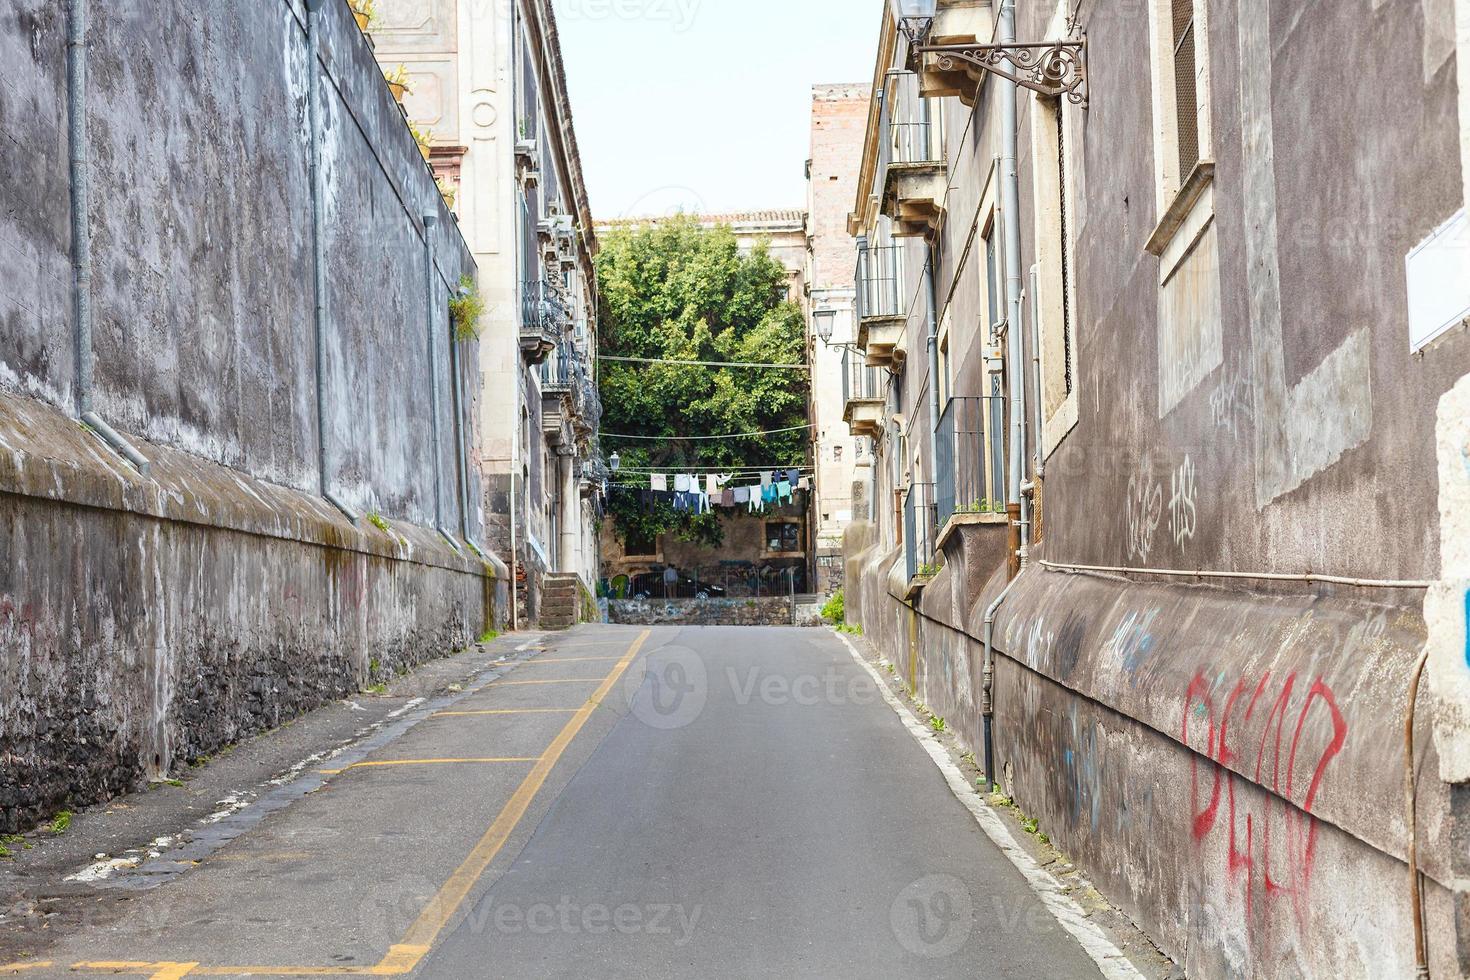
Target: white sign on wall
<point>1438,270</point>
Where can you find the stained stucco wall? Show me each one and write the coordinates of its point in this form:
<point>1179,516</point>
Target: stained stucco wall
<point>145,620</point>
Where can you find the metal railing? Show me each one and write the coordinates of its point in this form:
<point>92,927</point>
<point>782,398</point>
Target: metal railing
<point>559,371</point>
<point>918,530</point>
<point>962,469</point>
<point>543,309</point>
<point>877,278</point>
<point>858,380</point>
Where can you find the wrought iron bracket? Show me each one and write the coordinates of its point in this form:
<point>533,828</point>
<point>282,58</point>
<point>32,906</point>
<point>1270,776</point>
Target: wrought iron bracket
<point>1054,68</point>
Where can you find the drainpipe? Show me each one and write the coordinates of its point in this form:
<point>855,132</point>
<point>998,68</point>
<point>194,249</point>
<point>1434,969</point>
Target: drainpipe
<point>81,234</point>
<point>1038,464</point>
<point>319,248</point>
<point>429,222</point>
<point>1421,955</point>
<point>466,494</point>
<point>1016,505</point>
<point>987,684</point>
<point>932,340</point>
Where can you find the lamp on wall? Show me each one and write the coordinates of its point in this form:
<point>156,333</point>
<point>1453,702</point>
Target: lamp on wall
<point>823,320</point>
<point>914,17</point>
<point>1052,68</point>
<point>614,461</point>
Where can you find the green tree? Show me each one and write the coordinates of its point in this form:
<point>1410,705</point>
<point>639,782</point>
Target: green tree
<point>677,291</point>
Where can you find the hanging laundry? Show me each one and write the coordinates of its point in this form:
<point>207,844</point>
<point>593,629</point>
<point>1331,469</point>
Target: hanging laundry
<point>681,483</point>
<point>711,484</point>
<point>658,481</point>
<point>793,476</point>
<point>768,493</point>
<point>741,494</point>
<point>757,499</point>
<point>765,481</point>
<point>804,483</point>
<point>783,490</point>
<point>727,498</point>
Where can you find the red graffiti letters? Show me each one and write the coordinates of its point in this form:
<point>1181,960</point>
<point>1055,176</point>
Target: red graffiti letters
<point>1294,743</point>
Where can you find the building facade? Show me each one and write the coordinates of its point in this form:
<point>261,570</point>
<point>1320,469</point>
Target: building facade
<point>839,123</point>
<point>1167,386</point>
<point>487,91</point>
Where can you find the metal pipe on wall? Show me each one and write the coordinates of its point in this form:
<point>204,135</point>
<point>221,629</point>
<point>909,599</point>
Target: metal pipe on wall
<point>932,341</point>
<point>319,249</point>
<point>432,333</point>
<point>81,235</point>
<point>1011,209</point>
<point>80,177</point>
<point>987,684</point>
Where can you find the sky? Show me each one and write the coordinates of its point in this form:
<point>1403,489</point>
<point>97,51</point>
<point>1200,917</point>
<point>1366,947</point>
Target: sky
<point>704,105</point>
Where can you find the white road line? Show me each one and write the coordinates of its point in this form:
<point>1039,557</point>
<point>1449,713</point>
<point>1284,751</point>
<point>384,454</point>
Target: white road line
<point>1094,942</point>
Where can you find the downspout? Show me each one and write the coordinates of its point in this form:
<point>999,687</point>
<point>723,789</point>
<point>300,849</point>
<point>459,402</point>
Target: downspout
<point>987,684</point>
<point>932,341</point>
<point>1421,955</point>
<point>1016,505</point>
<point>81,234</point>
<point>1038,464</point>
<point>429,222</point>
<point>319,248</point>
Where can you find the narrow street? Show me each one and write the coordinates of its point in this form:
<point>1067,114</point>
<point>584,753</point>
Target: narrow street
<point>621,802</point>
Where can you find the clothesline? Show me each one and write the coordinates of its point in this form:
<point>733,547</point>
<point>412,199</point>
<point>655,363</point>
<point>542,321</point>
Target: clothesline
<point>729,364</point>
<point>728,435</point>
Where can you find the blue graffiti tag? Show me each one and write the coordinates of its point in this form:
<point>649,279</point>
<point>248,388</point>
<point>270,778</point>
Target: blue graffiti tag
<point>1467,627</point>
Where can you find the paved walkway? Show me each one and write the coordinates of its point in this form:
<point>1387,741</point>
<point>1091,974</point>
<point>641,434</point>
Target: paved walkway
<point>627,803</point>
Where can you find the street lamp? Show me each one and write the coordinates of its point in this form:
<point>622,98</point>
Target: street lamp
<point>823,320</point>
<point>1053,68</point>
<point>614,461</point>
<point>914,17</point>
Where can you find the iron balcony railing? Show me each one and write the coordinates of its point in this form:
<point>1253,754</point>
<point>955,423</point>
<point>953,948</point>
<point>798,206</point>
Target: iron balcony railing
<point>558,372</point>
<point>877,277</point>
<point>962,469</point>
<point>544,310</point>
<point>859,382</point>
<point>919,530</point>
<point>905,140</point>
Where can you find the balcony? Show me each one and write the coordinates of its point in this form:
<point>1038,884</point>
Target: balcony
<point>880,313</point>
<point>920,564</point>
<point>569,391</point>
<point>863,398</point>
<point>545,317</point>
<point>915,181</point>
<point>957,22</point>
<point>968,487</point>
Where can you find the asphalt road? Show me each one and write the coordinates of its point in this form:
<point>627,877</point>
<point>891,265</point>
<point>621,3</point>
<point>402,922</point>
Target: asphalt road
<point>670,803</point>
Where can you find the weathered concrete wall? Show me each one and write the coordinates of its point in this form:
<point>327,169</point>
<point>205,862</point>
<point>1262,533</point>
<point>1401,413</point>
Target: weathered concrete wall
<point>705,612</point>
<point>1227,766</point>
<point>147,620</point>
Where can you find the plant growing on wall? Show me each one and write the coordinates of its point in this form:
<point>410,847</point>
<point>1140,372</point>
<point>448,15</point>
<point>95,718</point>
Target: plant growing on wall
<point>465,309</point>
<point>678,291</point>
<point>365,13</point>
<point>447,191</point>
<point>397,80</point>
<point>423,137</point>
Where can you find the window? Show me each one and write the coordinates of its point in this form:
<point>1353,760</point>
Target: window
<point>1186,94</point>
<point>783,536</point>
<point>837,453</point>
<point>639,544</point>
<point>1181,96</point>
<point>1051,306</point>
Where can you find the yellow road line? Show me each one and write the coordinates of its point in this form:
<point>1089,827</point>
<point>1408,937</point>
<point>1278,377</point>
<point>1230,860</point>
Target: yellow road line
<point>504,711</point>
<point>557,680</point>
<point>404,957</point>
<point>565,660</point>
<point>451,895</point>
<point>424,762</point>
<point>154,971</point>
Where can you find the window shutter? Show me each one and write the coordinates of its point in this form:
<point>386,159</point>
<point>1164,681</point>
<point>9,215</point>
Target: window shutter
<point>1185,95</point>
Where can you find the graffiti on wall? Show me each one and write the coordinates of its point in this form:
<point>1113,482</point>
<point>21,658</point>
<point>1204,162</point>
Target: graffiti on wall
<point>1182,511</point>
<point>1145,509</point>
<point>1270,848</point>
<point>1230,401</point>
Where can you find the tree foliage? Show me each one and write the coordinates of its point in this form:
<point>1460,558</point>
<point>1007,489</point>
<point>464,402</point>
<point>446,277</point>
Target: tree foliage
<point>678,291</point>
